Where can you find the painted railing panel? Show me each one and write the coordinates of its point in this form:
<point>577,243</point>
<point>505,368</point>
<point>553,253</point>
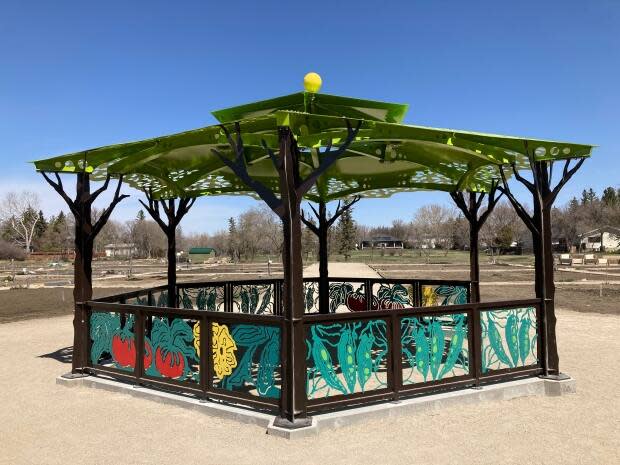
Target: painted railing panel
<point>509,338</point>
<point>434,347</point>
<point>347,296</point>
<point>211,298</point>
<point>246,359</point>
<point>389,295</point>
<point>112,341</point>
<point>174,343</point>
<point>434,295</point>
<point>346,358</point>
<point>256,299</point>
<point>311,296</point>
<point>349,356</point>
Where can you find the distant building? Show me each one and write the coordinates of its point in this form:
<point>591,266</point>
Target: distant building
<point>120,250</point>
<point>605,239</point>
<point>201,254</point>
<point>383,242</point>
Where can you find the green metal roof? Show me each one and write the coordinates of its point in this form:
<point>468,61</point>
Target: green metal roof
<point>201,250</point>
<point>386,156</point>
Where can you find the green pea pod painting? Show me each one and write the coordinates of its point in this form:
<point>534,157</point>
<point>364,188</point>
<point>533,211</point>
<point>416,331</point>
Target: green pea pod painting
<point>364,359</point>
<point>456,346</point>
<point>211,299</point>
<point>201,299</point>
<point>512,340</point>
<point>421,351</point>
<point>186,301</point>
<point>323,362</point>
<point>495,340</point>
<point>524,339</point>
<point>346,358</point>
<point>265,302</point>
<point>437,344</point>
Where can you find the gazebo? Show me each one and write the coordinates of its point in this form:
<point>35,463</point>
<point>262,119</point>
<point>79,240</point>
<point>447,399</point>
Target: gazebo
<point>297,346</point>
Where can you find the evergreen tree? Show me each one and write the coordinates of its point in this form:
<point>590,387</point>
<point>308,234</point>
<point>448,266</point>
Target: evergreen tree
<point>41,226</point>
<point>346,234</point>
<point>140,216</point>
<point>233,239</point>
<point>609,197</point>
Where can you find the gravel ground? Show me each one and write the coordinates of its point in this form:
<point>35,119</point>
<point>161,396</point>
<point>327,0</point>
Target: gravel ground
<point>43,423</point>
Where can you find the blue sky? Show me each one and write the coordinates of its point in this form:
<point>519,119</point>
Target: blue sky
<point>75,75</point>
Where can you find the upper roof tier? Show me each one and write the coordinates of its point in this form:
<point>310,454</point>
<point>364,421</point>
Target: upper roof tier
<point>318,104</point>
<point>385,157</point>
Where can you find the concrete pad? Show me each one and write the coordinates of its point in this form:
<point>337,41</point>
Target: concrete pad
<point>211,408</point>
<point>337,419</point>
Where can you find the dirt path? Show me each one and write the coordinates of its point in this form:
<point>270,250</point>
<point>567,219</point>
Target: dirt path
<point>42,423</point>
<point>342,270</point>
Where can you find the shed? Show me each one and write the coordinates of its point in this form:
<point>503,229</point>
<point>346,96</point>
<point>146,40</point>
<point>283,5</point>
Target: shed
<point>201,254</point>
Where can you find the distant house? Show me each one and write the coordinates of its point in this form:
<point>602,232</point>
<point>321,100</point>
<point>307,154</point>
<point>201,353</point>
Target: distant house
<point>605,239</point>
<point>383,242</point>
<point>201,254</point>
<point>120,250</point>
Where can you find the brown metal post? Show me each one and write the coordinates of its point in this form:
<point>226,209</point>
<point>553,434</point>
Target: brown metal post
<point>82,272</point>
<point>171,236</point>
<point>293,402</point>
<point>323,259</point>
<point>474,259</point>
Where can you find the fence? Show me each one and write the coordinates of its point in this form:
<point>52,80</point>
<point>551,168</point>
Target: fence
<point>345,294</point>
<point>351,357</point>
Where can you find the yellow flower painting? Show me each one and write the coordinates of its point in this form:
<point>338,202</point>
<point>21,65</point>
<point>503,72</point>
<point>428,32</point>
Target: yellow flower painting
<point>223,348</point>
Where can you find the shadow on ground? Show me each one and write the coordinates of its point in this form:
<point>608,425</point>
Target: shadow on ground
<point>63,355</point>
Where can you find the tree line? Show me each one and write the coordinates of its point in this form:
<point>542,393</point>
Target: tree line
<point>258,232</point>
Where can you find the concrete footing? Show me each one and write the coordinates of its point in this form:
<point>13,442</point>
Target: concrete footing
<point>319,423</point>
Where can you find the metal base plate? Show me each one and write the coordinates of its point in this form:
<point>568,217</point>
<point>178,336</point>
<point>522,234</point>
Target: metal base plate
<point>75,375</point>
<point>298,423</point>
<point>558,377</point>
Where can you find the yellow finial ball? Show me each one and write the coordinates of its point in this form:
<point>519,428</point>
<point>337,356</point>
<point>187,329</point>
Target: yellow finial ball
<point>312,82</point>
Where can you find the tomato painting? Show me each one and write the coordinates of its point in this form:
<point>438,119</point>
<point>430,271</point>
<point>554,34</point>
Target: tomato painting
<point>175,355</point>
<point>169,364</point>
<point>356,302</point>
<point>124,350</point>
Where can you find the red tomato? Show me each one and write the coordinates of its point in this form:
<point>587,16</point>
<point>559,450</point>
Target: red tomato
<point>356,302</point>
<point>171,365</point>
<point>124,351</point>
<point>148,355</point>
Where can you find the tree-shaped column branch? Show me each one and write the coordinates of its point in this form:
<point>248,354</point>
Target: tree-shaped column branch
<point>168,219</point>
<point>476,219</point>
<point>539,224</point>
<point>322,230</point>
<point>85,233</point>
<point>287,206</point>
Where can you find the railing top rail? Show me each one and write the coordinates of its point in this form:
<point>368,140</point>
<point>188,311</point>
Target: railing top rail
<point>420,311</point>
<point>198,284</point>
<point>182,312</point>
<point>130,294</point>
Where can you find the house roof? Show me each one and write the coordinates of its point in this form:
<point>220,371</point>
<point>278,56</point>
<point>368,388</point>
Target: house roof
<point>602,229</point>
<point>384,238</point>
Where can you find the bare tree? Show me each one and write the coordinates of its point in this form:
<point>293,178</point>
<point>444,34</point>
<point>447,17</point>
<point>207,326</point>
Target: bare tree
<point>434,226</point>
<point>20,214</point>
